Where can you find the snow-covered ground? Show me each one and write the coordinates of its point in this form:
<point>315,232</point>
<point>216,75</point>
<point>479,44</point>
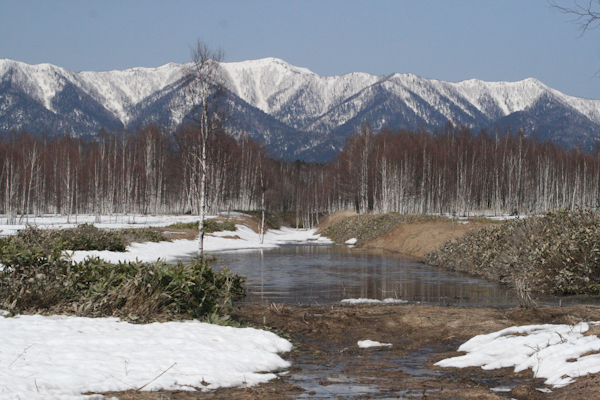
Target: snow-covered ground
<point>64,357</point>
<point>243,238</point>
<point>106,222</point>
<point>557,353</point>
<point>365,344</point>
<point>373,301</point>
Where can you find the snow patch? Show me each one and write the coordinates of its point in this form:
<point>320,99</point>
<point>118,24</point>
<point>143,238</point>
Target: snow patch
<point>553,352</point>
<point>64,357</point>
<point>365,344</point>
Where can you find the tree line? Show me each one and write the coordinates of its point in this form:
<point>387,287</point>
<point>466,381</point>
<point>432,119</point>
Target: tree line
<point>458,171</point>
<point>145,171</point>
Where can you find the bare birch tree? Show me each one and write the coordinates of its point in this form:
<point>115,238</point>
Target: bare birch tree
<point>204,95</point>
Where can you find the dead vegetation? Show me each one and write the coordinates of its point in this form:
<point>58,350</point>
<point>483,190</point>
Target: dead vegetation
<point>558,253</point>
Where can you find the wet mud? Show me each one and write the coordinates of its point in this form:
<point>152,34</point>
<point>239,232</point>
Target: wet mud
<point>327,363</point>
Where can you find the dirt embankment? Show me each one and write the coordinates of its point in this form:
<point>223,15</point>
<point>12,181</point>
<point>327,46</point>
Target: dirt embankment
<point>415,236</point>
<point>420,238</point>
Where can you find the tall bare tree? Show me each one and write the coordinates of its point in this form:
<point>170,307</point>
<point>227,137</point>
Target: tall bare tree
<point>205,89</point>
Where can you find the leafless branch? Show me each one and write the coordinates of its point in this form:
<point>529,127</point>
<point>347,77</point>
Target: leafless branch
<point>586,16</point>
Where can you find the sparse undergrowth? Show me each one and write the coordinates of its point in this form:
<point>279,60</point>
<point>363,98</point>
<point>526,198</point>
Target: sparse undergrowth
<point>210,226</point>
<point>83,237</point>
<point>37,278</point>
<point>558,253</point>
<point>369,226</point>
<point>271,219</point>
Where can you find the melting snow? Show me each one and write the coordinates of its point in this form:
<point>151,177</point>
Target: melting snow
<point>364,344</point>
<point>373,301</point>
<point>556,353</point>
<point>64,357</point>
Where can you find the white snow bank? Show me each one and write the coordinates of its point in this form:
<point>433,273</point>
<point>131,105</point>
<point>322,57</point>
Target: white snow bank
<point>241,239</point>
<point>60,356</point>
<point>364,344</point>
<point>106,222</point>
<point>373,301</point>
<point>553,352</point>
<point>352,241</point>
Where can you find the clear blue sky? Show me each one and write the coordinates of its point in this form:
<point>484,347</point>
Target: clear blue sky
<point>493,40</point>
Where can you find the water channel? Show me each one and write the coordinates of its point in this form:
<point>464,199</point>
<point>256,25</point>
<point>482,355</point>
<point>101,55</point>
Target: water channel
<point>320,275</point>
<point>323,275</point>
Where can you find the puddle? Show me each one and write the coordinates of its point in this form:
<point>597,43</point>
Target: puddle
<point>343,378</point>
<point>325,383</point>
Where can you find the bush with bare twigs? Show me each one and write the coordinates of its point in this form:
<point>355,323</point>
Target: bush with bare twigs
<point>558,253</point>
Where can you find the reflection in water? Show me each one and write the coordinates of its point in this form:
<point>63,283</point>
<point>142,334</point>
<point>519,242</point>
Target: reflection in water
<point>328,274</point>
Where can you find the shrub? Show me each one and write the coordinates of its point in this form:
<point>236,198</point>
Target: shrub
<point>142,235</point>
<point>184,225</point>
<point>366,227</point>
<point>37,278</point>
<point>83,237</point>
<point>558,253</point>
<point>210,226</point>
<point>88,237</point>
<point>134,291</point>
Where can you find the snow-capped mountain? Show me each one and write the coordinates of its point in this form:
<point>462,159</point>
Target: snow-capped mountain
<point>296,112</point>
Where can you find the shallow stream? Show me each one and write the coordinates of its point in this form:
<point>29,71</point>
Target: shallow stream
<point>319,275</point>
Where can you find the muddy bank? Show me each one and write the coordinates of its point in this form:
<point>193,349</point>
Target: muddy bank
<point>327,363</point>
<point>418,239</point>
<point>413,235</point>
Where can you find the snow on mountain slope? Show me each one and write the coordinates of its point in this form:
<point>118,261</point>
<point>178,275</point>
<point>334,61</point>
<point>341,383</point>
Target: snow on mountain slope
<point>120,91</point>
<point>41,81</point>
<point>291,94</point>
<point>293,104</point>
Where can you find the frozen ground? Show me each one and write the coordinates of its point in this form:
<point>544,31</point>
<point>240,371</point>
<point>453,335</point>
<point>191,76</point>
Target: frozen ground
<point>106,222</point>
<point>242,239</point>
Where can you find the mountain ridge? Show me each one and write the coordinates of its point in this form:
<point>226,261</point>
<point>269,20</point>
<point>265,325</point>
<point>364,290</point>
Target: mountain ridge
<point>295,111</point>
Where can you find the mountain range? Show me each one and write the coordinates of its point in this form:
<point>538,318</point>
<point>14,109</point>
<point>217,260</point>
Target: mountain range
<point>295,112</point>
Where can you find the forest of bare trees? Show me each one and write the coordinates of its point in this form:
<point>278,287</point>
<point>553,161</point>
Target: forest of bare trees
<point>458,171</point>
<point>409,172</point>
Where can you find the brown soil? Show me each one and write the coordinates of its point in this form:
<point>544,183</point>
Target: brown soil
<point>418,239</point>
<point>326,352</point>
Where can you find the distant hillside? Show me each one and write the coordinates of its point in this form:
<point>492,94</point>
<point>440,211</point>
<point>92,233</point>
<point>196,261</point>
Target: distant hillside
<point>297,113</point>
